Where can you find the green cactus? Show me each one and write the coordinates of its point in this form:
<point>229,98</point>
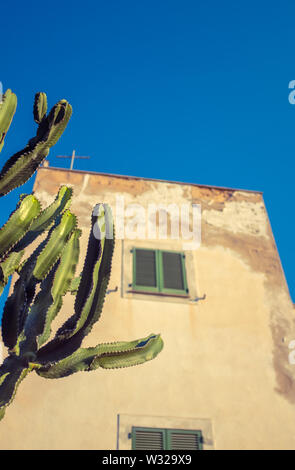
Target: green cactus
<point>50,271</point>
<point>7,109</point>
<point>40,107</point>
<point>22,165</point>
<point>27,318</point>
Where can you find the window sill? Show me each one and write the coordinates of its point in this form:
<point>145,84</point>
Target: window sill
<point>159,294</point>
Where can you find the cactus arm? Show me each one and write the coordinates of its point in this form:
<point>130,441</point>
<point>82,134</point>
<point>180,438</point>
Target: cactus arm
<point>91,291</point>
<point>50,312</point>
<point>62,279</point>
<point>7,110</point>
<point>13,311</point>
<point>40,107</point>
<point>12,372</point>
<point>33,323</point>
<point>55,123</point>
<point>47,217</point>
<point>54,246</point>
<point>67,267</point>
<point>21,166</point>
<point>98,280</point>
<point>60,204</point>
<point>93,285</point>
<point>108,356</point>
<point>128,354</point>
<point>18,223</point>
<point>9,266</point>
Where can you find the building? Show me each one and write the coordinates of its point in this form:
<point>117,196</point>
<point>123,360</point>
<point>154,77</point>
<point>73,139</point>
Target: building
<point>224,379</point>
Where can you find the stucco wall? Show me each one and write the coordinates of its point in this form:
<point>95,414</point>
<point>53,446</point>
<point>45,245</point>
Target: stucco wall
<point>225,358</point>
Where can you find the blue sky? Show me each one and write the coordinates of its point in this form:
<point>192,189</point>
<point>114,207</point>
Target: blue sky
<point>193,91</point>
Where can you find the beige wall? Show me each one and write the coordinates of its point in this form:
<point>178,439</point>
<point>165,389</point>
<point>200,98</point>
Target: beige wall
<point>224,366</point>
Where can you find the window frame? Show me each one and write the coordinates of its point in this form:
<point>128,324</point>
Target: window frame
<point>159,289</point>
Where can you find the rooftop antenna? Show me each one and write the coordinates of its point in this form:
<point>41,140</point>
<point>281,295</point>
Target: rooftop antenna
<point>72,157</point>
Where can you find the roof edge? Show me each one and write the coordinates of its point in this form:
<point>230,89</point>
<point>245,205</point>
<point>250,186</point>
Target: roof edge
<point>149,179</point>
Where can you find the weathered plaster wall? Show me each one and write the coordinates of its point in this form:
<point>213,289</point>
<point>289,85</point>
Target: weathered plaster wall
<point>225,358</point>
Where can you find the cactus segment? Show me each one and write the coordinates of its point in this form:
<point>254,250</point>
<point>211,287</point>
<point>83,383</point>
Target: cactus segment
<point>13,312</point>
<point>129,354</point>
<point>36,318</point>
<point>9,266</point>
<point>54,246</point>
<point>87,299</point>
<point>58,119</point>
<point>62,279</point>
<point>67,267</point>
<point>11,263</point>
<point>18,223</point>
<point>13,371</point>
<point>10,383</point>
<point>50,312</point>
<point>47,217</point>
<point>60,204</point>
<point>40,107</point>
<point>21,166</point>
<point>108,356</point>
<point>7,110</point>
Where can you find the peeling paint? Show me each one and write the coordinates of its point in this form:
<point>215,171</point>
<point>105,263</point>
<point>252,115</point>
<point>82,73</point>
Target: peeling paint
<point>239,217</point>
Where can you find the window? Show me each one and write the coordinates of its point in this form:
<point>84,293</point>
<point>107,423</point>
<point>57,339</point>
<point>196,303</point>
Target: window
<point>149,432</point>
<point>159,271</point>
<point>165,439</point>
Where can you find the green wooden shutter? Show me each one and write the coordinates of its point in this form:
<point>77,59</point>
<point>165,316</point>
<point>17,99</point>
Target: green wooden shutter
<point>147,438</point>
<point>180,439</point>
<point>145,270</point>
<point>172,273</point>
